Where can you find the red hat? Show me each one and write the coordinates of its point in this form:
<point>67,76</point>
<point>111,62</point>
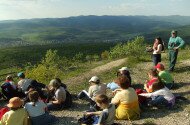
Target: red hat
<point>159,66</point>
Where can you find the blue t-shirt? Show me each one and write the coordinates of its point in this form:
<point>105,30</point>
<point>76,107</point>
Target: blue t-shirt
<point>112,86</point>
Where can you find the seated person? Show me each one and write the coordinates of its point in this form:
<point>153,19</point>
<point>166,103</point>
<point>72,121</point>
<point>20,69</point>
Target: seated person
<point>123,71</point>
<point>126,100</point>
<point>165,76</point>
<point>8,88</point>
<point>161,95</point>
<point>17,115</point>
<point>153,76</point>
<point>58,101</point>
<point>9,79</point>
<point>107,114</point>
<point>95,88</point>
<point>23,82</point>
<point>37,110</point>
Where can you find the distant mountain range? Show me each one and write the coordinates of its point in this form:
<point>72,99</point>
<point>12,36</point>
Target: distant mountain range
<point>90,29</point>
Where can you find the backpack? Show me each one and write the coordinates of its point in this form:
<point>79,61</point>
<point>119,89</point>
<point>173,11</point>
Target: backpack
<point>8,90</point>
<point>69,100</point>
<point>3,111</point>
<point>87,120</point>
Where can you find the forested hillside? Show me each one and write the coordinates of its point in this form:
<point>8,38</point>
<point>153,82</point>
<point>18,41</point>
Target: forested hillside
<point>86,29</point>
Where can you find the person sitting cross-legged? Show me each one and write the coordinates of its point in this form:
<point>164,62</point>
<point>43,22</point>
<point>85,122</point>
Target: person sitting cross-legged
<point>95,88</point>
<point>126,100</point>
<point>17,115</point>
<point>165,76</point>
<point>58,101</point>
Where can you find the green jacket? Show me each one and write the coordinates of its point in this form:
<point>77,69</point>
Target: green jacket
<point>175,42</point>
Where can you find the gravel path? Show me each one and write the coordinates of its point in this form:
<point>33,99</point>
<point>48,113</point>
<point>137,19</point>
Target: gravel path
<point>95,71</point>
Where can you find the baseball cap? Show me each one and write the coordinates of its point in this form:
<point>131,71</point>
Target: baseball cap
<point>124,68</point>
<point>21,74</point>
<point>94,79</point>
<point>159,66</point>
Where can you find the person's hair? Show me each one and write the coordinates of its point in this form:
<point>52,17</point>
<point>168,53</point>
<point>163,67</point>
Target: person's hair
<point>14,109</point>
<point>161,67</point>
<point>58,79</point>
<point>54,83</point>
<point>125,73</point>
<point>153,72</point>
<point>33,96</point>
<point>9,77</point>
<point>157,85</point>
<point>160,41</point>
<point>102,99</point>
<point>123,82</point>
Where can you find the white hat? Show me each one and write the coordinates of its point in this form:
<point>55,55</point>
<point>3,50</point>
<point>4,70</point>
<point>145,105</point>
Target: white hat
<point>123,69</point>
<point>94,79</point>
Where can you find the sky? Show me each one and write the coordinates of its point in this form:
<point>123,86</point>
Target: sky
<point>27,9</point>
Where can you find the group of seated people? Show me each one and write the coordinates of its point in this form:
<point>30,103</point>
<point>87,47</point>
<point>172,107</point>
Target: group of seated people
<point>30,101</point>
<point>124,104</point>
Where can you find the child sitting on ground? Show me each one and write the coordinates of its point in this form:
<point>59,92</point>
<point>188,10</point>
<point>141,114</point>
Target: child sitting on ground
<point>95,88</point>
<point>17,115</point>
<point>107,115</point>
<point>165,76</point>
<point>161,95</point>
<point>37,110</point>
<point>153,76</point>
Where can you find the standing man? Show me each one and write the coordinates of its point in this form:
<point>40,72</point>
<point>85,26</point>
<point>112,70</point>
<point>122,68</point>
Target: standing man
<point>175,42</point>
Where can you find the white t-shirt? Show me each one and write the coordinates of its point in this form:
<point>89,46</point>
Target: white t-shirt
<point>60,94</point>
<point>165,92</point>
<point>96,89</point>
<point>159,49</point>
<point>37,110</point>
<point>107,116</point>
<point>24,84</point>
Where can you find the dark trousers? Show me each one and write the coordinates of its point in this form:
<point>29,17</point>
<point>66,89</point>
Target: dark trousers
<point>158,101</point>
<point>156,58</point>
<point>172,59</point>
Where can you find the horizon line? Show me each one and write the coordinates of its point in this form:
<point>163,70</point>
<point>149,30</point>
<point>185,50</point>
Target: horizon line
<point>85,16</point>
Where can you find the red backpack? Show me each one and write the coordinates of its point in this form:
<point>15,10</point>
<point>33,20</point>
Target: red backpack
<point>3,111</point>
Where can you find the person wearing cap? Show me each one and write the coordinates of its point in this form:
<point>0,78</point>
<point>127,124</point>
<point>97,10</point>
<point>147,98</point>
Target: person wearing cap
<point>175,42</point>
<point>17,115</point>
<point>58,101</point>
<point>123,71</point>
<point>95,88</point>
<point>165,76</point>
<point>23,82</point>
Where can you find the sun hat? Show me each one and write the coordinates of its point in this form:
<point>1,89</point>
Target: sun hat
<point>15,102</point>
<point>94,79</point>
<point>124,69</point>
